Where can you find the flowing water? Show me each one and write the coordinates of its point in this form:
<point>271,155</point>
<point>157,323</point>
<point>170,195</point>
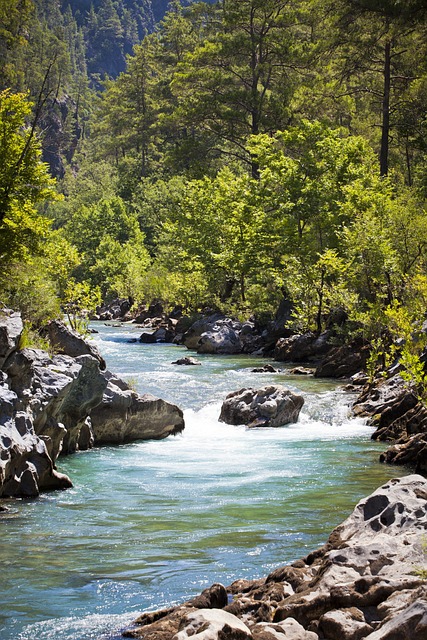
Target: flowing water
<point>153,523</point>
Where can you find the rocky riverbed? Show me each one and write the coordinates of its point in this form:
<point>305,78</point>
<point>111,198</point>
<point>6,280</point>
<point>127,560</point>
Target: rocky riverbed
<point>367,581</point>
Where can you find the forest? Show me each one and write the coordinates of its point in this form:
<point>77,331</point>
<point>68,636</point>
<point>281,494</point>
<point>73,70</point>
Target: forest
<point>224,155</point>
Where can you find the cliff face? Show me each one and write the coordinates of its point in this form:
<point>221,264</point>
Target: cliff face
<point>366,582</point>
<point>52,405</point>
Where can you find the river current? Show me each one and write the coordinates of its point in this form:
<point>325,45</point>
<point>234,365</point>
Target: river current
<point>153,523</point>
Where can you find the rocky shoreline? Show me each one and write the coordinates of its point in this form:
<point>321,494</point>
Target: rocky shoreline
<point>367,581</point>
<point>52,405</point>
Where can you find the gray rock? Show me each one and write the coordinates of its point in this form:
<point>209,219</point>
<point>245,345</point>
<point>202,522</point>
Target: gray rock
<point>124,416</point>
<point>71,343</point>
<point>212,624</point>
<point>10,332</point>
<point>305,347</point>
<point>222,339</point>
<point>289,629</point>
<point>58,393</point>
<point>25,464</point>
<point>272,406</point>
<point>344,624</point>
<point>192,336</point>
<point>409,624</point>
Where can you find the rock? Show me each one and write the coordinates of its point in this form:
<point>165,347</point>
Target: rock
<point>267,368</point>
<point>410,624</point>
<point>398,415</point>
<point>223,338</point>
<point>46,407</point>
<point>344,624</point>
<point>302,371</point>
<point>58,394</point>
<point>10,332</point>
<point>302,347</point>
<point>412,453</point>
<point>359,378</point>
<point>147,338</point>
<point>343,361</point>
<point>25,464</point>
<point>381,395</point>
<point>70,343</point>
<point>289,629</point>
<point>272,406</point>
<point>192,336</point>
<point>212,624</point>
<point>362,583</point>
<point>187,361</point>
<point>124,416</point>
<point>118,308</point>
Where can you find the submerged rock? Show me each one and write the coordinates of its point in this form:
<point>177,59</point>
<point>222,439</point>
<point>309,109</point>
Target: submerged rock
<point>187,361</point>
<point>272,406</point>
<point>364,582</point>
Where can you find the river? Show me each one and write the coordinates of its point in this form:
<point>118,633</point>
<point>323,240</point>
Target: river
<point>153,523</point>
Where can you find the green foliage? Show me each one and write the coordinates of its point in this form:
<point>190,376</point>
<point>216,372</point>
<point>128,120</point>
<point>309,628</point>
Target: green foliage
<point>24,181</point>
<point>80,301</point>
<point>31,338</point>
<point>27,288</point>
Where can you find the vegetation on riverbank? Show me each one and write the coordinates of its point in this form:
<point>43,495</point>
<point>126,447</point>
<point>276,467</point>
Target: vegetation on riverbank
<point>247,152</point>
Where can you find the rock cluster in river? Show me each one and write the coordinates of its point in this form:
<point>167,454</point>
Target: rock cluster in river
<point>212,332</point>
<point>365,582</point>
<point>62,403</point>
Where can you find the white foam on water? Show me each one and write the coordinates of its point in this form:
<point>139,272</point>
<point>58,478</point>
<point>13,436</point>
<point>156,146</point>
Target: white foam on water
<point>91,627</point>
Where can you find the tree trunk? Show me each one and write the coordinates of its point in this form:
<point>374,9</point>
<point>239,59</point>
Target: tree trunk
<point>385,126</point>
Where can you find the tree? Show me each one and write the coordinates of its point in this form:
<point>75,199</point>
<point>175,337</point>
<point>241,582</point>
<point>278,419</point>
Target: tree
<point>24,180</point>
<point>373,50</point>
<point>239,80</point>
<point>25,283</point>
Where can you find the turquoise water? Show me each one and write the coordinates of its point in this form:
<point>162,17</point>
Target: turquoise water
<point>153,523</point>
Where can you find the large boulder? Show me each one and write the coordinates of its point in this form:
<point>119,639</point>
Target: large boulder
<point>306,347</point>
<point>223,338</point>
<point>124,416</point>
<point>343,362</point>
<point>272,406</point>
<point>10,332</point>
<point>221,335</point>
<point>367,581</point>
<point>58,394</point>
<point>25,464</point>
<point>46,407</point>
<point>192,336</point>
<point>71,343</point>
